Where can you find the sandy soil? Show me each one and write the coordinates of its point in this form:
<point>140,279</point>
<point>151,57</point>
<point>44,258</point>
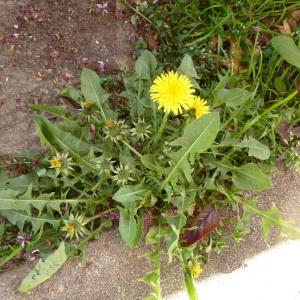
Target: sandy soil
<point>44,42</point>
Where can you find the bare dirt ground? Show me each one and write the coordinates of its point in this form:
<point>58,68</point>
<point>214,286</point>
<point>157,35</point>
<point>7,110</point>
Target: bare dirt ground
<point>43,46</point>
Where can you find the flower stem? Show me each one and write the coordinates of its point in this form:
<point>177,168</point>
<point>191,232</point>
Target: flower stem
<point>190,286</point>
<point>161,128</point>
<point>101,214</point>
<point>137,12</point>
<point>272,107</point>
<point>131,149</point>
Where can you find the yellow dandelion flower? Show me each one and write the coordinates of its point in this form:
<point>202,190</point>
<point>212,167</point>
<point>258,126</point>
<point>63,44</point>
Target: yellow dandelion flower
<point>56,163</point>
<point>62,163</point>
<point>172,92</point>
<point>75,226</point>
<point>196,270</point>
<point>87,104</point>
<point>200,106</point>
<point>70,229</point>
<point>110,123</point>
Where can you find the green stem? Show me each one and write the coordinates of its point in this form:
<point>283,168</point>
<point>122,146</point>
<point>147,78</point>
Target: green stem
<point>132,149</point>
<point>190,286</point>
<point>161,128</point>
<point>159,297</point>
<point>13,254</point>
<point>137,12</point>
<point>101,214</point>
<point>258,212</point>
<point>272,107</point>
<point>154,116</point>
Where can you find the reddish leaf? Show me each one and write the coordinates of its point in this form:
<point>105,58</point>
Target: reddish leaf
<point>204,223</point>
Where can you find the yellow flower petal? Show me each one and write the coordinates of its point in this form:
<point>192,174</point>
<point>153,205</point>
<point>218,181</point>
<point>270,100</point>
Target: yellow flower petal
<point>196,270</point>
<point>172,92</point>
<point>87,104</point>
<point>200,106</point>
<point>55,163</point>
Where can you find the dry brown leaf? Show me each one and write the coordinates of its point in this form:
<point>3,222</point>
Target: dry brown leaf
<point>296,15</point>
<point>285,28</point>
<point>200,226</point>
<point>151,40</point>
<point>292,23</point>
<point>236,54</point>
<point>284,130</point>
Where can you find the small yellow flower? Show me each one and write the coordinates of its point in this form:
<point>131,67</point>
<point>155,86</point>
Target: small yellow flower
<point>172,92</point>
<point>110,123</point>
<point>70,229</point>
<point>87,104</point>
<point>56,163</point>
<point>200,106</point>
<point>75,226</point>
<point>196,270</point>
<point>62,164</point>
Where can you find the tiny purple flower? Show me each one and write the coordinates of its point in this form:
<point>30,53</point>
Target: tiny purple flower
<point>119,13</point>
<point>33,255</point>
<point>113,216</point>
<point>23,240</point>
<point>68,77</point>
<point>24,8</point>
<point>16,35</point>
<point>102,8</point>
<point>101,66</point>
<point>34,15</point>
<point>54,54</point>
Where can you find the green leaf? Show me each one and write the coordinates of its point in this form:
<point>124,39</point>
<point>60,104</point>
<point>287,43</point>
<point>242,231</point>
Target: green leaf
<point>9,199</point>
<point>20,217</point>
<point>268,221</point>
<point>154,235</point>
<point>58,110</point>
<point>178,221</point>
<point>151,163</point>
<point>150,60</point>
<point>280,85</point>
<point>19,183</point>
<point>151,278</point>
<point>187,67</point>
<point>256,148</point>
<point>43,270</point>
<point>54,137</point>
<point>248,206</point>
<point>272,218</point>
<point>172,240</point>
<point>142,69</point>
<point>250,177</point>
<point>198,136</point>
<point>130,228</point>
<point>131,193</point>
<point>184,201</point>
<point>287,49</point>
<point>145,65</point>
<point>233,97</point>
<point>2,230</point>
<point>92,91</point>
<point>72,94</point>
